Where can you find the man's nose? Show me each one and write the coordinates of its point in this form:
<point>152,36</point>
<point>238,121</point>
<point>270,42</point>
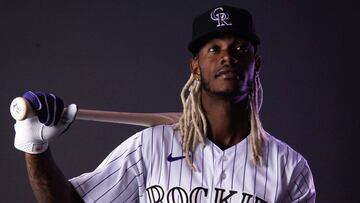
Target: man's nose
<point>227,56</point>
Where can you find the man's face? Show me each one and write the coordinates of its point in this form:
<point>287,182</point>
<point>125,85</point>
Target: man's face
<point>227,66</point>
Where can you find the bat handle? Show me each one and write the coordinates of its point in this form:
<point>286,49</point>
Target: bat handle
<point>20,109</point>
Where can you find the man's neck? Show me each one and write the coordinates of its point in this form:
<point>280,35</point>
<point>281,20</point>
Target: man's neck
<point>229,120</point>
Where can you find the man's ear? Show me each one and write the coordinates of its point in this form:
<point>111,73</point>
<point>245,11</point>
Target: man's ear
<point>194,66</point>
<point>258,62</point>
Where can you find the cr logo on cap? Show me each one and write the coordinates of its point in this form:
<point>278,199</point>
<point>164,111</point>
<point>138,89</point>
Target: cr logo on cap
<point>220,16</point>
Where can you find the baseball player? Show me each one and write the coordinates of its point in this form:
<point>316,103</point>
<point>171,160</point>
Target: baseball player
<point>218,152</point>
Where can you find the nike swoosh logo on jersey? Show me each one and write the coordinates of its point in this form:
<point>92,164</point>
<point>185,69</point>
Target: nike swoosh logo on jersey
<point>170,158</point>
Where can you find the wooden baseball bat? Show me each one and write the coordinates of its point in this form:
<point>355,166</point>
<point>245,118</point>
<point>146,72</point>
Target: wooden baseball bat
<point>20,109</point>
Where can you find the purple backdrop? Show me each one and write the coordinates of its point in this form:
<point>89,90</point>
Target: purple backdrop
<point>131,56</point>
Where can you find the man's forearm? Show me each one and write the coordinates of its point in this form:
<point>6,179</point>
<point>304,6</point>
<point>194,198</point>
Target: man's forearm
<point>47,181</point>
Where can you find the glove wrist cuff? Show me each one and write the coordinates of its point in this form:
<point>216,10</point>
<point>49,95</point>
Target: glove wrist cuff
<point>32,148</point>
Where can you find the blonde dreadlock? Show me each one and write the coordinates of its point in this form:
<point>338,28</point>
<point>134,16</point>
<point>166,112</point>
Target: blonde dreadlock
<point>193,124</point>
<point>257,133</point>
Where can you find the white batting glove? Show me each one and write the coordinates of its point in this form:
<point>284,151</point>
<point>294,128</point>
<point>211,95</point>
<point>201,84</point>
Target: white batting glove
<point>33,134</point>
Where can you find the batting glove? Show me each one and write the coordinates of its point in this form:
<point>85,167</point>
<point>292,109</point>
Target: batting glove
<point>33,134</point>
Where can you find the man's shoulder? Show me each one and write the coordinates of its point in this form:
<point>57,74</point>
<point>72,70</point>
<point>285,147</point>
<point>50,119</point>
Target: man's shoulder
<point>293,168</point>
<point>157,134</point>
<point>285,153</point>
<point>148,140</point>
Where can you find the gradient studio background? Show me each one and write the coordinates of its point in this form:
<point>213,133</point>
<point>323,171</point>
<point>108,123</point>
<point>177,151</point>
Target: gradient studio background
<point>131,56</point>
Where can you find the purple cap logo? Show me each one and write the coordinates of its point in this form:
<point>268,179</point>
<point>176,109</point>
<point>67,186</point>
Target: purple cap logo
<point>220,16</point>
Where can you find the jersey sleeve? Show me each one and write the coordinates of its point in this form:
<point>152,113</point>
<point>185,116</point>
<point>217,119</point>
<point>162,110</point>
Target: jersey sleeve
<point>301,186</point>
<point>119,178</point>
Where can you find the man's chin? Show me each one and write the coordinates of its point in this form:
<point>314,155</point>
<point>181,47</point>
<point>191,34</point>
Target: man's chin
<point>229,92</point>
<point>237,95</point>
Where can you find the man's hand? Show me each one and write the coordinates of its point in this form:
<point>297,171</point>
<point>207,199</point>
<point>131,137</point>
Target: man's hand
<point>33,134</point>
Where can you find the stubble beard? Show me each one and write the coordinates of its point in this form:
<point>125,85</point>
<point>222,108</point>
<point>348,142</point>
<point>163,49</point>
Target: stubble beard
<point>235,94</point>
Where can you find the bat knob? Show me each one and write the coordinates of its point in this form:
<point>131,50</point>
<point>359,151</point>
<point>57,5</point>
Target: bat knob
<point>19,109</point>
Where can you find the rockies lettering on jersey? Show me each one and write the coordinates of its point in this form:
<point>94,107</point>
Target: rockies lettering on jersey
<point>156,195</point>
<point>150,167</point>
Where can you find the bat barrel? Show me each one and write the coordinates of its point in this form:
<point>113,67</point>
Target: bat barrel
<point>141,119</point>
<point>20,109</point>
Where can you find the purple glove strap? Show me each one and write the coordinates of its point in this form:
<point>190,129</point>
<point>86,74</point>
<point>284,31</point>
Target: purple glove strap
<point>46,106</point>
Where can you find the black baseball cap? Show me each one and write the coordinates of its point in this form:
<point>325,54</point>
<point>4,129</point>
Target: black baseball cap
<point>222,20</point>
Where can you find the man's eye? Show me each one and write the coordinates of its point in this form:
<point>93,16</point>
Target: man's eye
<point>214,49</point>
<point>242,49</point>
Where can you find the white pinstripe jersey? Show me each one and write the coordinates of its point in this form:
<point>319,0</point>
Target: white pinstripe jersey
<point>150,167</point>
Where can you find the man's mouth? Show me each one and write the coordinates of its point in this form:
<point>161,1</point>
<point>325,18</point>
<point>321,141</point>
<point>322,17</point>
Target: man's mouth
<point>227,73</point>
